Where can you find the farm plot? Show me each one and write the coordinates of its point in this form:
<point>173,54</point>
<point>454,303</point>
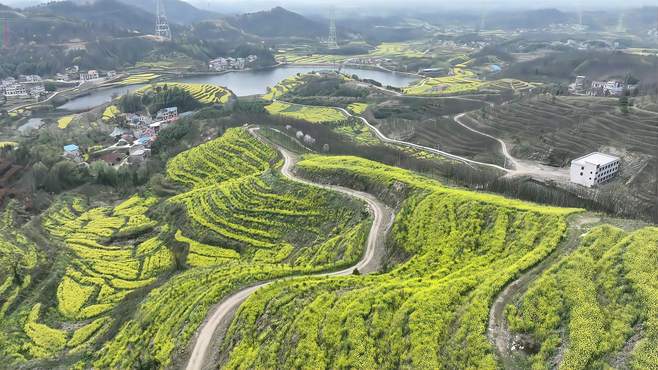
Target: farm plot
<point>428,312</point>
<point>233,155</point>
<point>97,277</point>
<point>18,257</point>
<point>64,122</point>
<point>249,226</point>
<point>138,79</point>
<point>557,131</point>
<point>604,290</point>
<point>204,93</point>
<point>283,87</point>
<point>308,113</point>
<point>110,112</point>
<point>444,134</point>
<point>568,127</point>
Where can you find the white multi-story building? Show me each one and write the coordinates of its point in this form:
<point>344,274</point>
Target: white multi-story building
<point>15,90</point>
<point>167,114</point>
<point>594,168</point>
<point>92,74</point>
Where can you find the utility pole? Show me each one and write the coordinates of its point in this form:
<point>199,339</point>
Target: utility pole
<point>332,41</point>
<point>162,29</point>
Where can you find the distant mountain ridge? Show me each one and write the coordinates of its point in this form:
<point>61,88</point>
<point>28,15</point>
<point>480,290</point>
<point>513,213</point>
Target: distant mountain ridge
<point>109,14</point>
<point>278,22</point>
<point>177,11</point>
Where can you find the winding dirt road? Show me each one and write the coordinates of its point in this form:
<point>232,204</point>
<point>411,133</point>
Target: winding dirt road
<point>520,167</point>
<point>371,261</point>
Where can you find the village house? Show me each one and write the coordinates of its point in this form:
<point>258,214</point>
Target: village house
<point>72,152</point>
<point>92,74</point>
<point>37,90</point>
<point>29,78</point>
<point>578,86</point>
<point>610,88</point>
<point>15,90</point>
<point>594,169</point>
<point>138,153</point>
<point>118,132</point>
<point>138,119</point>
<point>224,64</point>
<point>168,114</point>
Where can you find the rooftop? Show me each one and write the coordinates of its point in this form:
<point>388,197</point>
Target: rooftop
<point>71,148</point>
<point>596,158</point>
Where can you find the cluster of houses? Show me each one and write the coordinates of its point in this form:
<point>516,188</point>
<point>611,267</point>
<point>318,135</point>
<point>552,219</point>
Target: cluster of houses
<point>133,141</point>
<point>581,86</point>
<point>369,61</point>
<point>24,86</point>
<point>75,74</point>
<point>226,64</point>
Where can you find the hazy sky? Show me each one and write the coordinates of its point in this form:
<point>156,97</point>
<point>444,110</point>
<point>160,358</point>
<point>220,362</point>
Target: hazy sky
<point>231,6</point>
<point>435,4</point>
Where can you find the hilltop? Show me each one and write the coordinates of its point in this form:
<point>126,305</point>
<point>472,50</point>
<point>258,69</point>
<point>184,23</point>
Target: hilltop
<point>278,22</point>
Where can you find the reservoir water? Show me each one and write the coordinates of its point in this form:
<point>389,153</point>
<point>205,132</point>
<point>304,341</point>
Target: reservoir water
<point>242,83</point>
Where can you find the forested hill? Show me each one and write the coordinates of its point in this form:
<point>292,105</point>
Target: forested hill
<point>179,11</point>
<point>106,16</point>
<point>278,22</point>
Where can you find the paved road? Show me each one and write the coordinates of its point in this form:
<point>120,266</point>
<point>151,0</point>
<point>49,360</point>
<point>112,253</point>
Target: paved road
<point>383,217</point>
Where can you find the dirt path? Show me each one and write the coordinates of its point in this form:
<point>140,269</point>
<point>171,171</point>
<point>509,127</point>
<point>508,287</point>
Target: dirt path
<point>371,261</point>
<point>513,167</point>
<point>497,329</point>
<point>520,167</point>
<point>386,139</point>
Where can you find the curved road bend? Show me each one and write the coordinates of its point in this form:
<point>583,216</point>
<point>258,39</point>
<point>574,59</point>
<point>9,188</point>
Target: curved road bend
<point>386,139</point>
<point>383,218</point>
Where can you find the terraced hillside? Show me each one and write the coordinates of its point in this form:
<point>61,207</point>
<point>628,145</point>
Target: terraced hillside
<point>204,93</point>
<point>90,278</point>
<point>444,134</point>
<point>308,113</point>
<point>457,249</point>
<point>129,284</point>
<point>427,122</point>
<point>557,131</point>
<point>568,127</point>
<point>595,308</point>
<point>244,224</point>
<point>18,258</point>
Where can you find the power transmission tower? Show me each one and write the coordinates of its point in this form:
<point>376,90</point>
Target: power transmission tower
<point>332,41</point>
<point>162,29</point>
